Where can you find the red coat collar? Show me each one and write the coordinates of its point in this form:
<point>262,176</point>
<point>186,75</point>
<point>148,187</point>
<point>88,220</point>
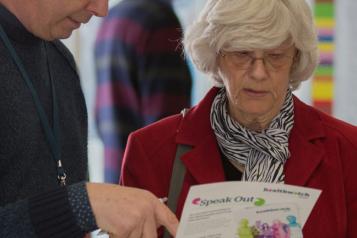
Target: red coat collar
<point>204,163</point>
<point>305,149</point>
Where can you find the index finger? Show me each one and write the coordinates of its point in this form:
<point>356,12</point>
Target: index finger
<point>167,218</point>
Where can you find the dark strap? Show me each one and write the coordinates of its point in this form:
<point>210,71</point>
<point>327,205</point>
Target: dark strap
<point>177,177</point>
<point>178,174</point>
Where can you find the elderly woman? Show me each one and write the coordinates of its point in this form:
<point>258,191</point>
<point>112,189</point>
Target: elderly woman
<point>249,126</point>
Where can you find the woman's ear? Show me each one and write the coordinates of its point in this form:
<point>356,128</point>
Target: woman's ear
<point>296,58</point>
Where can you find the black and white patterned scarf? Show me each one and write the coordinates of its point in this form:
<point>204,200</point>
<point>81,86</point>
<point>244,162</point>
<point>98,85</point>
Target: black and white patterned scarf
<point>262,153</point>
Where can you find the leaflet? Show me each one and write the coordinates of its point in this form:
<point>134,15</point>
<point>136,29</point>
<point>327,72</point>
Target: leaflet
<point>246,210</point>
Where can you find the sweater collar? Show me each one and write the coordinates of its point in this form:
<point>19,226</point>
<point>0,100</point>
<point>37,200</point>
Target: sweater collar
<point>15,30</point>
<point>169,2</point>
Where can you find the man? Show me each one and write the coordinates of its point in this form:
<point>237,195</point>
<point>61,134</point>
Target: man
<point>43,134</point>
<point>142,75</point>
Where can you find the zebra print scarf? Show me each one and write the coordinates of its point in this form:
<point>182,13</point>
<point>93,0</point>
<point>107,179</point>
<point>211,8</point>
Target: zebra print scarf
<point>263,154</point>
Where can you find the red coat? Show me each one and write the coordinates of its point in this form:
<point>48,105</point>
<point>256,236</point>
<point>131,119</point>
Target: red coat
<point>323,156</point>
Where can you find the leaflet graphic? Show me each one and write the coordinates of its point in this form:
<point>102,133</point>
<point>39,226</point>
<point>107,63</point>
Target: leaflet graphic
<point>246,210</point>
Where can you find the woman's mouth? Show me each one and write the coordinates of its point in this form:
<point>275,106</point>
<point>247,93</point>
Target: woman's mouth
<point>255,93</point>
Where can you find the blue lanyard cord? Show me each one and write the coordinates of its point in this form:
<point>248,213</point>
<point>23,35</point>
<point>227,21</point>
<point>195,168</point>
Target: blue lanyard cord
<point>55,116</point>
<point>61,175</point>
<point>52,136</point>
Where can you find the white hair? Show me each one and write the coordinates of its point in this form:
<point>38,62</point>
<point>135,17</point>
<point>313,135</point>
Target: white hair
<point>253,24</point>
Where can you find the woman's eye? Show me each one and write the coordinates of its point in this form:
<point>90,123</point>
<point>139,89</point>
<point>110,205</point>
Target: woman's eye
<point>273,56</point>
<point>242,53</point>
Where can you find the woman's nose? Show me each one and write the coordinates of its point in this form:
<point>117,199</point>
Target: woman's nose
<point>258,69</point>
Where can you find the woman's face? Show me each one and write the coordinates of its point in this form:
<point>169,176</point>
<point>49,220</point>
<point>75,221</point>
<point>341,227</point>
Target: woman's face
<point>256,81</point>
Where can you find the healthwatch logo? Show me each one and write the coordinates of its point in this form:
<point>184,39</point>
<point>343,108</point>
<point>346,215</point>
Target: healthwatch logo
<point>284,191</point>
<point>257,201</point>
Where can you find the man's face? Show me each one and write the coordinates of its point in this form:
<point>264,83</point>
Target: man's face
<point>56,19</point>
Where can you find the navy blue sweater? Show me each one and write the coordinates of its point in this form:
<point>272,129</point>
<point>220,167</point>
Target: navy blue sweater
<point>27,170</point>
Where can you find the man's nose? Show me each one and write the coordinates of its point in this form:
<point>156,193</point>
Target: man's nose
<point>98,7</point>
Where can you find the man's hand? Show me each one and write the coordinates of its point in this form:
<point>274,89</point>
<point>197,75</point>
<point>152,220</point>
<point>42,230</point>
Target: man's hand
<point>129,212</point>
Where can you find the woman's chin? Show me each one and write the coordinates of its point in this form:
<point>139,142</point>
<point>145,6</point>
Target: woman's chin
<point>257,109</point>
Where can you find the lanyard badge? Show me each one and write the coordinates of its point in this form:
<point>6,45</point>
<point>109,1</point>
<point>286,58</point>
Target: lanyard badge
<point>52,134</point>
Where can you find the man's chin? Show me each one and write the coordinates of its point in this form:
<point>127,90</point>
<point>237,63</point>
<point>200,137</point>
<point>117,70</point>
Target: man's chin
<point>52,37</point>
<point>65,36</point>
<point>60,36</point>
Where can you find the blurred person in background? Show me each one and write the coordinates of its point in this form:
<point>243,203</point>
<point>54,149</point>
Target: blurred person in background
<point>43,134</point>
<point>141,74</point>
<point>250,127</point>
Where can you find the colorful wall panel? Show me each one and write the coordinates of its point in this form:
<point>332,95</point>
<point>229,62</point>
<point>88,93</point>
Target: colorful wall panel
<point>322,84</point>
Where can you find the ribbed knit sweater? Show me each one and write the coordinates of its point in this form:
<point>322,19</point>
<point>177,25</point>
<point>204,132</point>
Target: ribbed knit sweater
<point>27,170</point>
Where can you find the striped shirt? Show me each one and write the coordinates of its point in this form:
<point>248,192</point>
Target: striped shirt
<point>142,75</point>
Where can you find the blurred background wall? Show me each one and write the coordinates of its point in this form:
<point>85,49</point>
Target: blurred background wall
<point>343,88</point>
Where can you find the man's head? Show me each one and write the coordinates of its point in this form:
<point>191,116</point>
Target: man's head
<point>55,19</point>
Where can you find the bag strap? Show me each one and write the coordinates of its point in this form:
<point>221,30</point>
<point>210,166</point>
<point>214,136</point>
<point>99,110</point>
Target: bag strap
<point>178,174</point>
<point>177,177</point>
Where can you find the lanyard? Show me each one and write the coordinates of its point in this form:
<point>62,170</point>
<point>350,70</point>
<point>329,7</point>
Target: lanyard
<point>52,135</point>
